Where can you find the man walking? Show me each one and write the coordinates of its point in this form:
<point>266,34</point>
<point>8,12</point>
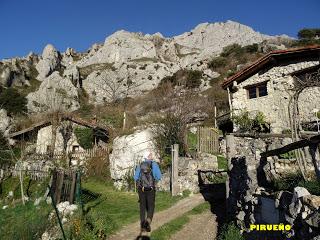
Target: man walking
<point>146,175</point>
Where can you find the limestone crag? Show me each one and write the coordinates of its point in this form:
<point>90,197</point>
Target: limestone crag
<point>5,122</point>
<point>134,61</point>
<point>128,153</point>
<point>48,63</point>
<point>55,93</point>
<point>18,71</point>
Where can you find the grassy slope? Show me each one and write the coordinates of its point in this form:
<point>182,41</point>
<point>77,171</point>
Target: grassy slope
<point>24,222</point>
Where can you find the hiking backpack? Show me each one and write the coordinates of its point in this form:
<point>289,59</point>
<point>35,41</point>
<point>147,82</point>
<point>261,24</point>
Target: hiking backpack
<point>146,179</point>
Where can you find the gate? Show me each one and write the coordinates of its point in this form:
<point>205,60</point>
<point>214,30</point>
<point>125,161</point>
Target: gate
<point>208,140</point>
<point>64,185</point>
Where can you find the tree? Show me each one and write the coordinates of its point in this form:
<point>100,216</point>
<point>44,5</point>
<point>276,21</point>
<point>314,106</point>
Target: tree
<point>12,101</point>
<point>309,33</point>
<point>300,84</point>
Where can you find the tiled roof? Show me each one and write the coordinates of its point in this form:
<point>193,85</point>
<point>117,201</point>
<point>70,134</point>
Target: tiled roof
<point>267,59</point>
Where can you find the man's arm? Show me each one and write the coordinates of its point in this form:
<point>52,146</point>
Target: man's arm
<point>136,173</point>
<point>156,171</point>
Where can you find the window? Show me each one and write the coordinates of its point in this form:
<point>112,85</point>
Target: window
<point>258,90</point>
<point>75,148</point>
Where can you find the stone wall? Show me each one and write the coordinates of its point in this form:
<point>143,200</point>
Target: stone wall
<point>188,173</point>
<point>44,140</point>
<point>275,104</point>
<point>250,196</point>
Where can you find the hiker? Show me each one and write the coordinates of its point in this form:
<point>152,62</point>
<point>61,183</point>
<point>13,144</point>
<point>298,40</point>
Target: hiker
<point>146,175</point>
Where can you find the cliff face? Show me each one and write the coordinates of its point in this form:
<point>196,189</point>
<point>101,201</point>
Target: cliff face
<point>126,64</point>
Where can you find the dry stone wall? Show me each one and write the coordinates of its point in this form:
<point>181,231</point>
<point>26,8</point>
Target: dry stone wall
<point>250,198</point>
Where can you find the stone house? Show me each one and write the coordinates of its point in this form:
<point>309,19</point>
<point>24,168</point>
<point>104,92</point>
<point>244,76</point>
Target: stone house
<point>38,137</point>
<point>266,86</point>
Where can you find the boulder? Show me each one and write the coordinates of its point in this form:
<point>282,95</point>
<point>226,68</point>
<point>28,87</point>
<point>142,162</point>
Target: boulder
<point>128,152</point>
<point>314,219</point>
<point>48,62</point>
<point>312,200</point>
<point>55,93</point>
<point>299,192</point>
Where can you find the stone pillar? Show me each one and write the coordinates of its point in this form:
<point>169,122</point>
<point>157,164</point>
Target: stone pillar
<point>174,169</point>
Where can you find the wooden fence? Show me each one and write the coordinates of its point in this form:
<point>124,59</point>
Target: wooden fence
<point>78,155</point>
<point>208,140</point>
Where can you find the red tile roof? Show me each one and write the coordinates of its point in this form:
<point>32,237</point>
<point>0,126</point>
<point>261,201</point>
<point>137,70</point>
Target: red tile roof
<point>266,60</point>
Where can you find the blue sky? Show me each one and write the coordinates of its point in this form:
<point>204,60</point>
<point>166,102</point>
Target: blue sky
<point>28,25</point>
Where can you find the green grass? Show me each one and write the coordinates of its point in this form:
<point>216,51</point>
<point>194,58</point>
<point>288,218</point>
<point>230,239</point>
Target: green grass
<point>33,189</point>
<point>114,209</point>
<point>170,228</point>
<point>24,221</point>
<point>222,162</point>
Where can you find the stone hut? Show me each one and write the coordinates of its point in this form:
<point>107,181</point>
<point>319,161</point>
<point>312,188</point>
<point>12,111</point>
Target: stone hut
<point>266,86</point>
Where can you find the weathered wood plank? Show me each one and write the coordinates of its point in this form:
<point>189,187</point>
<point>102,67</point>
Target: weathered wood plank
<point>292,146</point>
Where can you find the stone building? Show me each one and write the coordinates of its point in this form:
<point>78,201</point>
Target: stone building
<point>267,86</point>
<point>38,137</point>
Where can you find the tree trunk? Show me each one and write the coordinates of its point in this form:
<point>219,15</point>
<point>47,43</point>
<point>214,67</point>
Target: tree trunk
<point>54,127</point>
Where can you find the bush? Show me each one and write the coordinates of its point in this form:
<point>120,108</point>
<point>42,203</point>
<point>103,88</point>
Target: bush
<point>217,62</point>
<point>312,186</point>
<point>170,130</point>
<point>253,48</point>
<point>187,78</point>
<point>230,232</point>
<point>232,49</point>
<point>12,101</point>
<point>247,124</point>
<point>288,183</point>
<point>98,167</point>
<point>309,33</point>
<point>84,137</point>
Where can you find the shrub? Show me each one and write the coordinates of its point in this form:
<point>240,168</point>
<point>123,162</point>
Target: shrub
<point>85,137</point>
<point>230,232</point>
<point>312,186</point>
<point>98,167</point>
<point>232,49</point>
<point>217,62</point>
<point>247,124</point>
<point>187,78</point>
<point>12,101</point>
<point>170,130</point>
<point>253,48</point>
<point>287,183</point>
<point>309,33</point>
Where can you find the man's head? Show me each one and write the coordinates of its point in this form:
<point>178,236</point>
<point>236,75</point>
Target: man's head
<point>148,155</point>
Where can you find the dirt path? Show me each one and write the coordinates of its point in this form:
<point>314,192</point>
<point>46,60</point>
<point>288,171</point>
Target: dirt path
<point>132,231</point>
<point>201,226</point>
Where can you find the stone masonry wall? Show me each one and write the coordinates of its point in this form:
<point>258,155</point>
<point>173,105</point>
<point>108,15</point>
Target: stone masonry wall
<point>275,104</point>
<point>248,198</point>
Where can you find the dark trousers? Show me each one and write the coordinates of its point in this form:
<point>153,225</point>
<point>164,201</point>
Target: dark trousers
<point>147,203</point>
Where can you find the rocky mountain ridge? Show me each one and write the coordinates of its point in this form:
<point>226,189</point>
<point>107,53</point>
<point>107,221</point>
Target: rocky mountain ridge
<point>127,64</point>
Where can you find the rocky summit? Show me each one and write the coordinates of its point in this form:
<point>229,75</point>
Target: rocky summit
<point>126,65</point>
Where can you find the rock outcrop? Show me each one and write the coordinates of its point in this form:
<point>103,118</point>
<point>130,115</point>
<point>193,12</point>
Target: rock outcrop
<point>48,63</point>
<point>55,93</point>
<point>5,122</point>
<point>128,152</point>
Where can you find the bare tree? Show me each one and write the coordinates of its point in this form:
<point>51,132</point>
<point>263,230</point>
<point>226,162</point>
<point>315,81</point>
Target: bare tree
<point>300,84</point>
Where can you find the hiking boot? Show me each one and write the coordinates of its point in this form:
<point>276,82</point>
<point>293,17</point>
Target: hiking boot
<point>148,225</point>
